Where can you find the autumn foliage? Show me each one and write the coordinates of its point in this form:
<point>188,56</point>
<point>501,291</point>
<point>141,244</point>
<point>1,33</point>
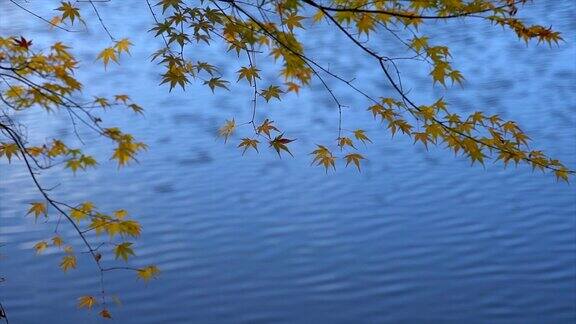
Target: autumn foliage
<point>44,79</point>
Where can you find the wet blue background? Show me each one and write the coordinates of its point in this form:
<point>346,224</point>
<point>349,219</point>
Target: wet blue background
<point>416,237</point>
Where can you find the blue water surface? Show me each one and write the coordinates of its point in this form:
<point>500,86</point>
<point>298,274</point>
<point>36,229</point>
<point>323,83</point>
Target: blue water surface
<point>416,237</point>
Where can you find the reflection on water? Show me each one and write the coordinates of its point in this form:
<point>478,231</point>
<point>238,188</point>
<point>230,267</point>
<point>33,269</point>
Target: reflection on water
<point>416,237</point>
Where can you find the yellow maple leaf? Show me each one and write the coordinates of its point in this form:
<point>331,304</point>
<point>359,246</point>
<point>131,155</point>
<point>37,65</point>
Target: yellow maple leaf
<point>147,273</point>
<point>129,228</point>
<point>354,158</point>
<point>105,314</point>
<point>247,143</point>
<point>123,251</point>
<point>82,212</point>
<point>292,87</point>
<point>87,302</point>
<point>123,45</point>
<point>37,209</point>
<point>108,54</point>
<point>120,213</point>
<point>55,21</point>
<point>57,241</point>
<point>122,98</point>
<point>345,141</point>
<point>271,92</point>
<point>248,73</point>
<point>365,24</point>
<point>292,21</point>
<point>360,135</point>
<point>227,130</point>
<point>68,262</point>
<point>40,246</point>
<point>9,149</point>
<point>323,156</point>
<point>266,127</point>
<point>69,11</point>
<point>422,137</point>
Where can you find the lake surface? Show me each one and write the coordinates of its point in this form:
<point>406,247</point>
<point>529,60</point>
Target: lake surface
<point>417,237</point>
